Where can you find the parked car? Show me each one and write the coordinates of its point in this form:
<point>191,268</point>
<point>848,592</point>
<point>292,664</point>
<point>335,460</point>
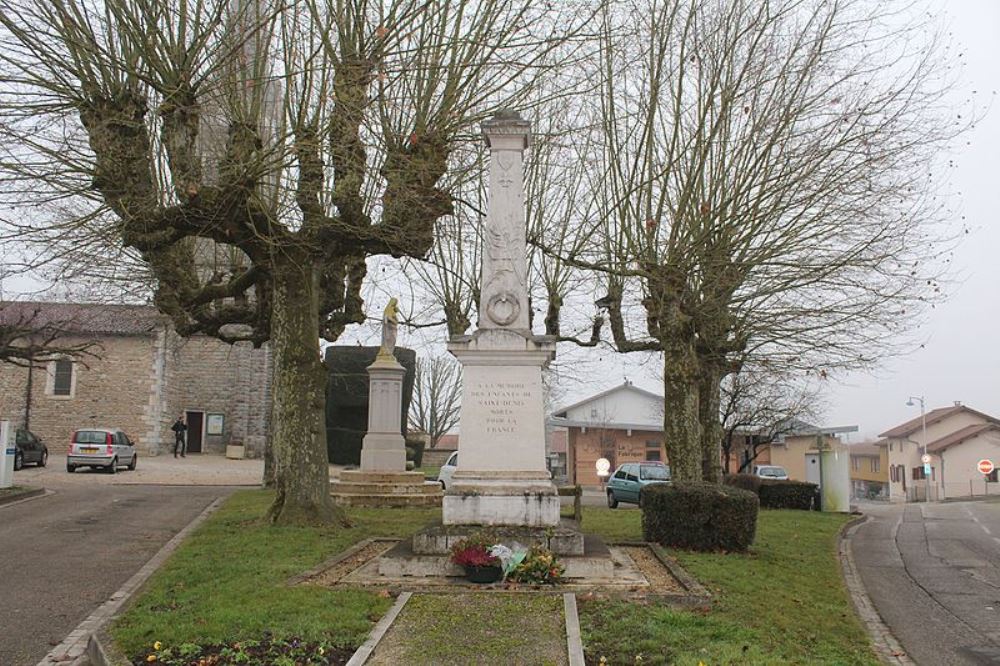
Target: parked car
<point>29,449</point>
<point>627,481</point>
<point>770,472</point>
<point>106,448</point>
<point>447,469</point>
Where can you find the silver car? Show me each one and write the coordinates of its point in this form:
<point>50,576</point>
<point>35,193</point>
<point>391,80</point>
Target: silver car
<point>107,448</point>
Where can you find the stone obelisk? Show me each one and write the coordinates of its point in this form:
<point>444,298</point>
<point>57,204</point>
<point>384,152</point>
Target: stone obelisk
<point>501,477</point>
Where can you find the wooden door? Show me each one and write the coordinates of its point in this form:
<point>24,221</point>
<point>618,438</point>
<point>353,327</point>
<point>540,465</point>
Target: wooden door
<point>195,421</point>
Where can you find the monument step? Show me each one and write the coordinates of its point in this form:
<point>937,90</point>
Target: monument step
<point>360,476</point>
<point>401,560</point>
<point>351,488</point>
<point>387,500</point>
<point>565,539</point>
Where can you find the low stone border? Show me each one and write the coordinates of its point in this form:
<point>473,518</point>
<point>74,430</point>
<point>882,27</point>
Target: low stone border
<point>574,642</point>
<point>696,592</point>
<point>365,651</point>
<point>336,559</point>
<point>886,646</point>
<point>75,644</point>
<point>27,493</point>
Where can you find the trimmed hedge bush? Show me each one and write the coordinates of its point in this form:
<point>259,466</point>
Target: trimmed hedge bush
<point>415,451</point>
<point>775,494</point>
<point>699,516</point>
<point>744,481</point>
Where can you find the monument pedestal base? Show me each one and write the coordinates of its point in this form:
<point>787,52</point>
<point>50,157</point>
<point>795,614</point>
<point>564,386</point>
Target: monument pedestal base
<point>496,505</point>
<point>385,489</point>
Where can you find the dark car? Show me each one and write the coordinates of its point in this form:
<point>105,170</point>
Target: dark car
<point>29,449</point>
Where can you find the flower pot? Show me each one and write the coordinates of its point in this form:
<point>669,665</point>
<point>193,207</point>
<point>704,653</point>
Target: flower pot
<point>483,575</point>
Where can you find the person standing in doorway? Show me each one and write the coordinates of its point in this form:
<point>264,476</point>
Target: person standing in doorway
<point>180,440</point>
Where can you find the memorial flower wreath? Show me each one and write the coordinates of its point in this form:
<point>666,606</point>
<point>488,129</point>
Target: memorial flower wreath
<point>487,561</point>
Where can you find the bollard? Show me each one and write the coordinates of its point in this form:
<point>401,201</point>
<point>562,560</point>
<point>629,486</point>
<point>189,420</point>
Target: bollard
<point>7,449</point>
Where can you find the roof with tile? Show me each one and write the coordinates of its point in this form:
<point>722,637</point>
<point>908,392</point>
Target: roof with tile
<point>82,318</point>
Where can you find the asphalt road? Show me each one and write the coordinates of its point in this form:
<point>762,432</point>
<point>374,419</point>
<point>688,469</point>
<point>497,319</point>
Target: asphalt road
<point>933,573</point>
<point>67,553</point>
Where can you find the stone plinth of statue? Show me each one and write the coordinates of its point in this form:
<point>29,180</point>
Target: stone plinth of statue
<point>383,479</point>
<point>383,448</point>
<point>502,478</point>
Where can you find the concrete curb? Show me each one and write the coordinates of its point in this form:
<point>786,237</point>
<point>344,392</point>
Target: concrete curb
<point>574,642</point>
<point>886,646</point>
<point>22,496</point>
<point>75,644</point>
<point>336,559</point>
<point>365,651</point>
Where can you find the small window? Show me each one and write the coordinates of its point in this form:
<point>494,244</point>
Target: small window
<point>856,463</point>
<point>62,377</point>
<point>875,465</point>
<point>992,476</point>
<point>918,473</point>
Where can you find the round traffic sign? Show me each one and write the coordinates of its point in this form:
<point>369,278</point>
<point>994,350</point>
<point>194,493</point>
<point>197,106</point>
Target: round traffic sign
<point>925,458</point>
<point>985,466</point>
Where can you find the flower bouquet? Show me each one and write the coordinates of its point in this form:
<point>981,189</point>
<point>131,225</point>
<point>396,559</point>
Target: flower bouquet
<point>539,567</point>
<point>474,554</point>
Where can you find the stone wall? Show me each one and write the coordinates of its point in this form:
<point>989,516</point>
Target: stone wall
<point>203,374</point>
<point>111,391</point>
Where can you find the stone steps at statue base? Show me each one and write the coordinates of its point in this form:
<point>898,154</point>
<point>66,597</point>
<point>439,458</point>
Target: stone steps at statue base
<point>387,500</point>
<point>421,488</point>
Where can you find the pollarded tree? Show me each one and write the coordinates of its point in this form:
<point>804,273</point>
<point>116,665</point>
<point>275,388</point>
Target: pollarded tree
<point>253,153</point>
<point>763,191</point>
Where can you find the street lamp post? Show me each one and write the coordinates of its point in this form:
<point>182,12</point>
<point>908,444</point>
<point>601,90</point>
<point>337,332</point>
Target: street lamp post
<point>923,442</point>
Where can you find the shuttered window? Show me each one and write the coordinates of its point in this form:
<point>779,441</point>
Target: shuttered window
<point>62,381</point>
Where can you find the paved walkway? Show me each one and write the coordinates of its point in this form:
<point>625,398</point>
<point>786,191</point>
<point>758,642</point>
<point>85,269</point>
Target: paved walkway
<point>197,469</point>
<point>933,573</point>
<point>68,552</point>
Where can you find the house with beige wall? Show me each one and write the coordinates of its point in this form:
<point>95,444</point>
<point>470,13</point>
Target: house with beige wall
<point>869,471</point>
<point>140,377</point>
<point>954,438</point>
<point>798,450</point>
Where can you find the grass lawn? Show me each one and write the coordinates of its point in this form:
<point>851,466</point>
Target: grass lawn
<point>476,628</point>
<point>781,603</point>
<point>429,471</point>
<point>227,581</point>
<point>784,602</point>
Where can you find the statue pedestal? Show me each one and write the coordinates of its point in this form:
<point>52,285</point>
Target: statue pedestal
<point>383,448</point>
<point>502,478</point>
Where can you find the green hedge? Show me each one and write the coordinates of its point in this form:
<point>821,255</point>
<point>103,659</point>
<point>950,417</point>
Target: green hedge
<point>699,516</point>
<point>775,494</point>
<point>745,481</point>
<point>415,451</point>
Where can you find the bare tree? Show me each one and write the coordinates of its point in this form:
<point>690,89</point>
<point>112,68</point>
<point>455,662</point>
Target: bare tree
<point>758,408</point>
<point>253,153</point>
<point>762,192</point>
<point>437,397</point>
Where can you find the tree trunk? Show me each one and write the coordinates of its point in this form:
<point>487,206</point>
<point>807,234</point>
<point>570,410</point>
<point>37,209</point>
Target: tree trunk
<point>301,468</point>
<point>709,397</point>
<point>268,480</point>
<point>681,428</point>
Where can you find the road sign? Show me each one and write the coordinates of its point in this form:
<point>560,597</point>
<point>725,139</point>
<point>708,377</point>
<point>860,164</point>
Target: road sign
<point>985,466</point>
<point>925,459</point>
<point>927,470</point>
